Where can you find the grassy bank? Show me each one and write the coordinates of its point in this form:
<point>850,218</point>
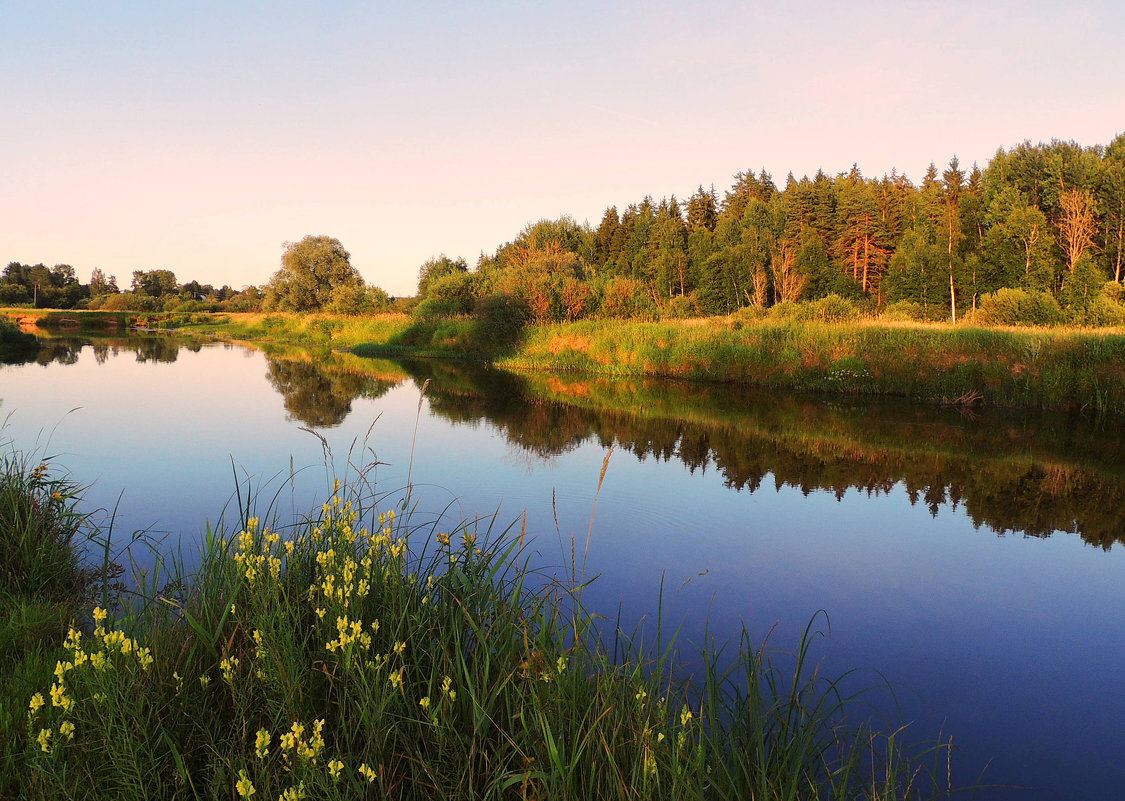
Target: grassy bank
<point>353,654</point>
<point>1012,367</point>
<point>1035,368</point>
<point>15,341</point>
<point>41,590</point>
<point>336,331</point>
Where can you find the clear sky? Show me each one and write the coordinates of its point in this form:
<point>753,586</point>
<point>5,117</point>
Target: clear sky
<point>200,136</point>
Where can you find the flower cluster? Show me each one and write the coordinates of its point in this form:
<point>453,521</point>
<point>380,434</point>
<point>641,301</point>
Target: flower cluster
<point>105,650</point>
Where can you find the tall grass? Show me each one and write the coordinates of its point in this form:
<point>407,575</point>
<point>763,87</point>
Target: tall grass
<point>307,329</point>
<point>355,653</point>
<point>41,589</point>
<point>14,340</point>
<point>1045,369</point>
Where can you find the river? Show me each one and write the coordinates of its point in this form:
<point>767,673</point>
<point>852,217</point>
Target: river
<point>973,558</point>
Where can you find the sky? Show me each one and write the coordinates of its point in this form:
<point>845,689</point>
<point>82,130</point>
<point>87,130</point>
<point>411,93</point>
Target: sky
<point>200,137</point>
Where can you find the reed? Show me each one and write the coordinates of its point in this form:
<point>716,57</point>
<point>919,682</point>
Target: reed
<point>362,652</point>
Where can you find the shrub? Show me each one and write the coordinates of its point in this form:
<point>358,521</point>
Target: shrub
<point>906,310</point>
<point>499,322</point>
<point>833,308</point>
<point>680,307</point>
<point>1018,307</point>
<point>1102,311</point>
<point>627,298</point>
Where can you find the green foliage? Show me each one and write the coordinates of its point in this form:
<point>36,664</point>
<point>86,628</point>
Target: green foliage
<point>311,272</point>
<point>450,295</point>
<point>680,307</point>
<point>41,587</point>
<point>155,283</point>
<point>12,339</point>
<point>904,311</point>
<point>1018,307</point>
<point>1081,288</point>
<point>627,298</point>
<point>1102,311</point>
<point>1069,371</point>
<point>498,323</point>
<point>829,309</point>
<point>436,269</point>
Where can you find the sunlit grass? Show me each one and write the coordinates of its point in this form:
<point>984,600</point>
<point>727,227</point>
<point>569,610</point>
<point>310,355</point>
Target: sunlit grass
<point>355,653</point>
<point>933,362</point>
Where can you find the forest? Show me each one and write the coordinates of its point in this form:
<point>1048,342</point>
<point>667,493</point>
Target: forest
<point>1042,225</point>
<point>1036,237</point>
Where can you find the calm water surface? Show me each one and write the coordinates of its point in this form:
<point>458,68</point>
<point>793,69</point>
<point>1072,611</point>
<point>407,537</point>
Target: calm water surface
<point>974,561</point>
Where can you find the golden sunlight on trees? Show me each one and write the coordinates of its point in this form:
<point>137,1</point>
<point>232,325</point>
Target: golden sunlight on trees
<point>317,274</point>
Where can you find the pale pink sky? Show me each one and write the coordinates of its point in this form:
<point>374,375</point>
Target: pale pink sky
<point>199,137</point>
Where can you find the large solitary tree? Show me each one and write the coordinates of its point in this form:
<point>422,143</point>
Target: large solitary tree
<point>311,270</point>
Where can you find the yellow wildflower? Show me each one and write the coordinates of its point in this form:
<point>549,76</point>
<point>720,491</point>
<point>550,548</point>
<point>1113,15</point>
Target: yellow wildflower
<point>66,729</point>
<point>144,657</point>
<point>366,772</point>
<point>334,768</point>
<point>262,743</point>
<point>399,648</point>
<point>244,786</point>
<point>425,702</point>
<point>36,703</point>
<point>59,697</point>
<point>396,679</point>
<point>293,793</point>
<point>228,667</point>
<point>685,716</point>
<point>73,640</point>
<point>44,739</point>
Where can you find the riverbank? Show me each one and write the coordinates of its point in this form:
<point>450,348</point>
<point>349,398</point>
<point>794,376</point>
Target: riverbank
<point>1050,368</point>
<point>342,655</point>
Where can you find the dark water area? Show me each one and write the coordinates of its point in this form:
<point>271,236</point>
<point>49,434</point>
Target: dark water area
<point>972,558</point>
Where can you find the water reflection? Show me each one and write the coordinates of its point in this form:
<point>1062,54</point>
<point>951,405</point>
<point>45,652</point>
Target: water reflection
<point>1032,473</point>
<point>66,350</point>
<point>1012,471</point>
<point>320,396</point>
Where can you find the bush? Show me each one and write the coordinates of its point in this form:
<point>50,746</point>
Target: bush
<point>499,323</point>
<point>905,310</point>
<point>829,309</point>
<point>450,295</point>
<point>1018,307</point>
<point>833,308</point>
<point>627,298</point>
<point>680,307</point>
<point>1102,311</point>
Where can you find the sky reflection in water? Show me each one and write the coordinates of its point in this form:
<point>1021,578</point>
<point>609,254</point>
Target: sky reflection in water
<point>1013,642</point>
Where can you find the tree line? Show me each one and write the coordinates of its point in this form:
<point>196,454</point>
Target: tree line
<point>58,287</point>
<point>1042,224</point>
<point>1039,232</point>
<point>316,275</point>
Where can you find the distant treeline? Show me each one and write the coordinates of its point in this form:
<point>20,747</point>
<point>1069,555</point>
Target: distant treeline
<point>1038,236</point>
<point>58,287</point>
<point>1043,225</point>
